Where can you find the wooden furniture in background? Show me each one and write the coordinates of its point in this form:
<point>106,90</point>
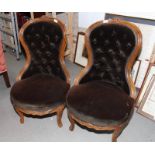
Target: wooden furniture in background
<point>9,31</point>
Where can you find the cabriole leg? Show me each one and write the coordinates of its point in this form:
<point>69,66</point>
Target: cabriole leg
<point>116,134</point>
<point>72,125</point>
<point>59,117</point>
<point>21,115</point>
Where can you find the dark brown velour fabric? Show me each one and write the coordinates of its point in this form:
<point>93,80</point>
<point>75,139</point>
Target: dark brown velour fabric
<point>100,103</point>
<point>102,96</point>
<point>43,40</point>
<point>111,45</point>
<point>39,92</point>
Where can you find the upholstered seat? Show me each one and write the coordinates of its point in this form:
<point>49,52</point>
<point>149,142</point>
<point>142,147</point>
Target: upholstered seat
<point>100,103</point>
<point>39,92</point>
<point>42,84</point>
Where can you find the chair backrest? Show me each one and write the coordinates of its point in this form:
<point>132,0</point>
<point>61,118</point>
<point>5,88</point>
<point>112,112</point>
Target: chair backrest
<point>44,41</point>
<point>113,46</point>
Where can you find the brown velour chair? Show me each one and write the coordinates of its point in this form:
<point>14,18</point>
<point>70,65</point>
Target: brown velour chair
<point>42,84</point>
<point>103,94</point>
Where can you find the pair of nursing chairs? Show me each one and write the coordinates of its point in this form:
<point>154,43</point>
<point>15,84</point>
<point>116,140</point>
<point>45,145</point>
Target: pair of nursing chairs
<point>102,97</point>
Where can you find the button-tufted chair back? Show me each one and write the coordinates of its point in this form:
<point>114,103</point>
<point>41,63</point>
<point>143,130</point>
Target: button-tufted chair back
<point>111,45</point>
<point>44,40</point>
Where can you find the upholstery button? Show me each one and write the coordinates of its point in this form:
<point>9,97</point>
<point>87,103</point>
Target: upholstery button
<point>56,38</point>
<point>48,53</point>
<point>32,44</point>
<point>113,33</point>
<point>37,36</point>
<point>94,41</point>
<point>106,42</point>
<point>47,37</point>
<point>52,45</point>
<point>111,51</point>
<point>103,59</point>
<point>43,44</point>
<point>122,54</point>
<point>129,45</point>
<point>118,44</point>
<point>99,50</point>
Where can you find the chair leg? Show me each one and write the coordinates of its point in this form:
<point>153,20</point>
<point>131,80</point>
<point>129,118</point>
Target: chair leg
<point>59,117</point>
<point>116,133</point>
<point>72,125</point>
<point>6,79</point>
<point>21,115</point>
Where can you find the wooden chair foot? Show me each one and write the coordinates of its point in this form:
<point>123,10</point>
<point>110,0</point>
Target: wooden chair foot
<point>22,120</point>
<point>72,125</point>
<point>6,79</point>
<point>116,133</point>
<point>21,115</point>
<point>59,118</point>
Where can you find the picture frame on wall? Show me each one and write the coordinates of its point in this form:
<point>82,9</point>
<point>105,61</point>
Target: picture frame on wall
<point>135,70</point>
<point>141,73</point>
<point>147,108</point>
<point>81,57</point>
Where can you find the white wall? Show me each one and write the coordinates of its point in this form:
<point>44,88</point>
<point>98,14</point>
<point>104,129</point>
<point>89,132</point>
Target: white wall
<point>87,18</point>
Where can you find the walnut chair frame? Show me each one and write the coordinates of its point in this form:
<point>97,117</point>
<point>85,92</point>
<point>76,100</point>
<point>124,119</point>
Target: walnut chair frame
<point>59,109</point>
<point>116,129</point>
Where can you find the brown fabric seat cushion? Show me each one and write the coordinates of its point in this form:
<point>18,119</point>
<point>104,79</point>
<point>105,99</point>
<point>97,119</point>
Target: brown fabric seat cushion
<point>39,92</point>
<point>99,103</point>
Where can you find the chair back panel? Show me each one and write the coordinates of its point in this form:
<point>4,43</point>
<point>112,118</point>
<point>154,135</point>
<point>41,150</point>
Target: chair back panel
<point>44,39</point>
<point>111,46</point>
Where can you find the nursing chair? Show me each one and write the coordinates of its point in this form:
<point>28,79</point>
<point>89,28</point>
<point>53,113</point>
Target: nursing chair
<point>43,82</point>
<point>103,94</point>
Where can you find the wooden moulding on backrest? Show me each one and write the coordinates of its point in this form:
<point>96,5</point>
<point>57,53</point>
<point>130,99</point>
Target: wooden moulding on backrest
<point>131,59</point>
<point>61,49</point>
